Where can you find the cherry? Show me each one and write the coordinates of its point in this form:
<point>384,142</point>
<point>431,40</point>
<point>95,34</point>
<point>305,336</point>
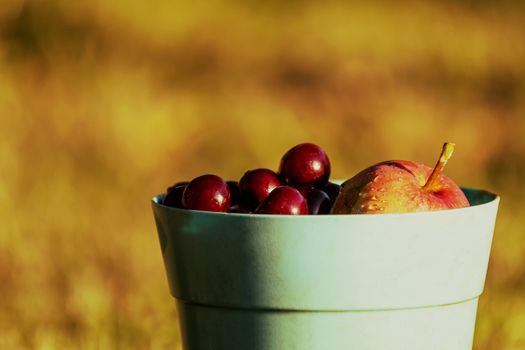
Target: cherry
<point>177,184</point>
<point>233,186</point>
<point>318,201</point>
<point>305,164</point>
<point>332,190</point>
<point>240,210</point>
<point>284,200</point>
<point>174,196</point>
<point>255,185</point>
<point>208,193</point>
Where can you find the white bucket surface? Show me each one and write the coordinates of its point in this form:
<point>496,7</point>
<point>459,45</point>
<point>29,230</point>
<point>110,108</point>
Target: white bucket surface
<point>388,281</point>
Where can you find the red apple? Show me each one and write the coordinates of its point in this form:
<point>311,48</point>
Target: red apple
<point>400,186</point>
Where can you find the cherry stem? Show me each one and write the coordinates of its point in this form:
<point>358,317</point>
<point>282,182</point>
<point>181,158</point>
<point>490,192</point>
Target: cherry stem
<point>446,153</point>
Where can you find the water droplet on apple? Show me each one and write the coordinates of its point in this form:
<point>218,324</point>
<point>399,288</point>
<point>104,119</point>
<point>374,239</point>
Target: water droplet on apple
<point>372,207</point>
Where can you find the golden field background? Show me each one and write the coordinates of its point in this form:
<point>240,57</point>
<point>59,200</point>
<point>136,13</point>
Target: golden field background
<point>103,104</point>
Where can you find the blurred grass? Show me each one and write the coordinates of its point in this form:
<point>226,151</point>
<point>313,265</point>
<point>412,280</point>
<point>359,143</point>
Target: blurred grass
<point>103,104</point>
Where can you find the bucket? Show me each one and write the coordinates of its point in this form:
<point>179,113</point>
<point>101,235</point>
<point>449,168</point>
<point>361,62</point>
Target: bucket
<point>406,281</point>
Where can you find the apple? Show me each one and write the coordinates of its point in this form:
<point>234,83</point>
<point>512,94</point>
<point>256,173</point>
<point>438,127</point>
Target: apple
<point>400,186</point>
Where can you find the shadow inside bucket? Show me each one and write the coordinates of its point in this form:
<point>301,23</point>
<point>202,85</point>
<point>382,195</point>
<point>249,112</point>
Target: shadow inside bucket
<point>478,197</point>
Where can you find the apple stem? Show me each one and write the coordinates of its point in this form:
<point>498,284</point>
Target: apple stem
<point>446,153</point>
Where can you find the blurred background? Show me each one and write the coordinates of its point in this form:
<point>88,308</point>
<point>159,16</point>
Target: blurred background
<point>104,104</point>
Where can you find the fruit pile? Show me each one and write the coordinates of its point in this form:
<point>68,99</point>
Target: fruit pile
<point>302,186</point>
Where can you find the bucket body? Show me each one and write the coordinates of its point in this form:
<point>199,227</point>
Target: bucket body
<point>387,281</point>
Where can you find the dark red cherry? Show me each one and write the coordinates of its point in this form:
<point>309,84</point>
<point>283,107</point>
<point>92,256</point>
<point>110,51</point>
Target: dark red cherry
<point>318,201</point>
<point>332,190</point>
<point>174,196</point>
<point>284,200</point>
<point>180,183</point>
<point>255,185</point>
<point>234,192</point>
<point>240,210</point>
<point>304,190</point>
<point>208,193</point>
<point>305,164</point>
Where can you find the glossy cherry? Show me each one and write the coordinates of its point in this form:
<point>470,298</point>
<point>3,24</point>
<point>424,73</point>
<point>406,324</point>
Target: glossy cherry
<point>255,185</point>
<point>177,184</point>
<point>208,193</point>
<point>318,201</point>
<point>174,196</point>
<point>332,190</point>
<point>284,200</point>
<point>305,164</point>
<point>233,186</point>
<point>240,210</point>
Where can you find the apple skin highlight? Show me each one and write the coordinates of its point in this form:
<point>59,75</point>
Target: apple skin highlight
<point>397,186</point>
